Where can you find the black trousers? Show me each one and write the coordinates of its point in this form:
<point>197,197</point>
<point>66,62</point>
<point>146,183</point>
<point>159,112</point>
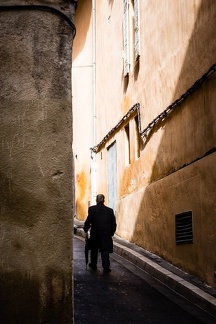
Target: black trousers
<point>104,258</point>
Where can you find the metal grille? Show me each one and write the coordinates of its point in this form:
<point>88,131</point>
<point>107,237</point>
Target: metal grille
<point>184,228</point>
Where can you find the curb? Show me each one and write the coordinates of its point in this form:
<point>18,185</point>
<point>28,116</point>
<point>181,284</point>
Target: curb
<point>176,283</point>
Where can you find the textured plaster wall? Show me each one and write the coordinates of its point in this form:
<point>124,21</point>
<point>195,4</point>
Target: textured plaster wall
<point>151,190</point>
<point>35,165</point>
<point>152,218</point>
<point>186,136</point>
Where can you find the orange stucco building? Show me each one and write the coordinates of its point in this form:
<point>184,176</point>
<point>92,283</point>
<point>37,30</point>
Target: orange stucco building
<point>145,123</point>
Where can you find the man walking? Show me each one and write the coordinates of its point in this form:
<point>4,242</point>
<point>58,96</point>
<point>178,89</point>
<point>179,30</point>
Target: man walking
<point>102,224</point>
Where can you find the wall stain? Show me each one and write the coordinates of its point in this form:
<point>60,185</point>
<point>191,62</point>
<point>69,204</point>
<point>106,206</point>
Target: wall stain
<point>81,190</point>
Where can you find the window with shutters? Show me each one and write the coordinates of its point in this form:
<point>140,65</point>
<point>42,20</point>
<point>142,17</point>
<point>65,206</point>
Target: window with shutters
<point>126,37</point>
<point>137,138</point>
<point>136,29</point>
<point>131,27</point>
<point>127,145</point>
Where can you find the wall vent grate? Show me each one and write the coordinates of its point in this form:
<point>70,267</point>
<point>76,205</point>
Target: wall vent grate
<point>184,227</point>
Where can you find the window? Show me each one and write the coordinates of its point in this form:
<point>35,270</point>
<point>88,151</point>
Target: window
<point>131,37</point>
<point>126,37</point>
<point>137,138</point>
<point>136,29</point>
<point>127,145</point>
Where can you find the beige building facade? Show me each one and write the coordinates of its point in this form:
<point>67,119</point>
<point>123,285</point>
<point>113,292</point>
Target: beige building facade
<point>145,123</point>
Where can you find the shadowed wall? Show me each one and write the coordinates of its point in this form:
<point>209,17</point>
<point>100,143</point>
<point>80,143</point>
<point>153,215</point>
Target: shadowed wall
<point>35,164</point>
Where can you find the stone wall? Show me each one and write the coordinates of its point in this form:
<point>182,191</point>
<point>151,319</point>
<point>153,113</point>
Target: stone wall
<point>35,165</point>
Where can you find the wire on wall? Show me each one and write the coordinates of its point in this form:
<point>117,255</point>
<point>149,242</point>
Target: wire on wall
<point>162,116</point>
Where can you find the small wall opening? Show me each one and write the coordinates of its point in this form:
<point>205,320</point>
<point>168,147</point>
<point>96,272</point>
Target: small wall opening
<point>184,228</point>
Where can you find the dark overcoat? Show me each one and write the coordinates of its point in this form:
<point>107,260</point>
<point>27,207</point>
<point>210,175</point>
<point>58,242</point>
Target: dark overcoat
<point>102,223</point>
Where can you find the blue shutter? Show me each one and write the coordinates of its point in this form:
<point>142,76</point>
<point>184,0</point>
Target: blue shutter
<point>112,176</point>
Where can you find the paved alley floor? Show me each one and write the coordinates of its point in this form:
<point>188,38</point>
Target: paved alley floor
<point>126,295</point>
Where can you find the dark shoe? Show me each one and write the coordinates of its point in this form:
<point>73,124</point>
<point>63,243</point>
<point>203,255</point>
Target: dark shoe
<point>106,270</point>
<point>92,267</point>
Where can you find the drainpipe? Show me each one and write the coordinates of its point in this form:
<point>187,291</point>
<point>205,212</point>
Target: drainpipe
<point>94,115</point>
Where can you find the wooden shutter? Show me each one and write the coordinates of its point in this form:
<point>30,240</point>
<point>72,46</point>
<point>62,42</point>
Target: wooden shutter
<point>126,37</point>
<point>137,29</point>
